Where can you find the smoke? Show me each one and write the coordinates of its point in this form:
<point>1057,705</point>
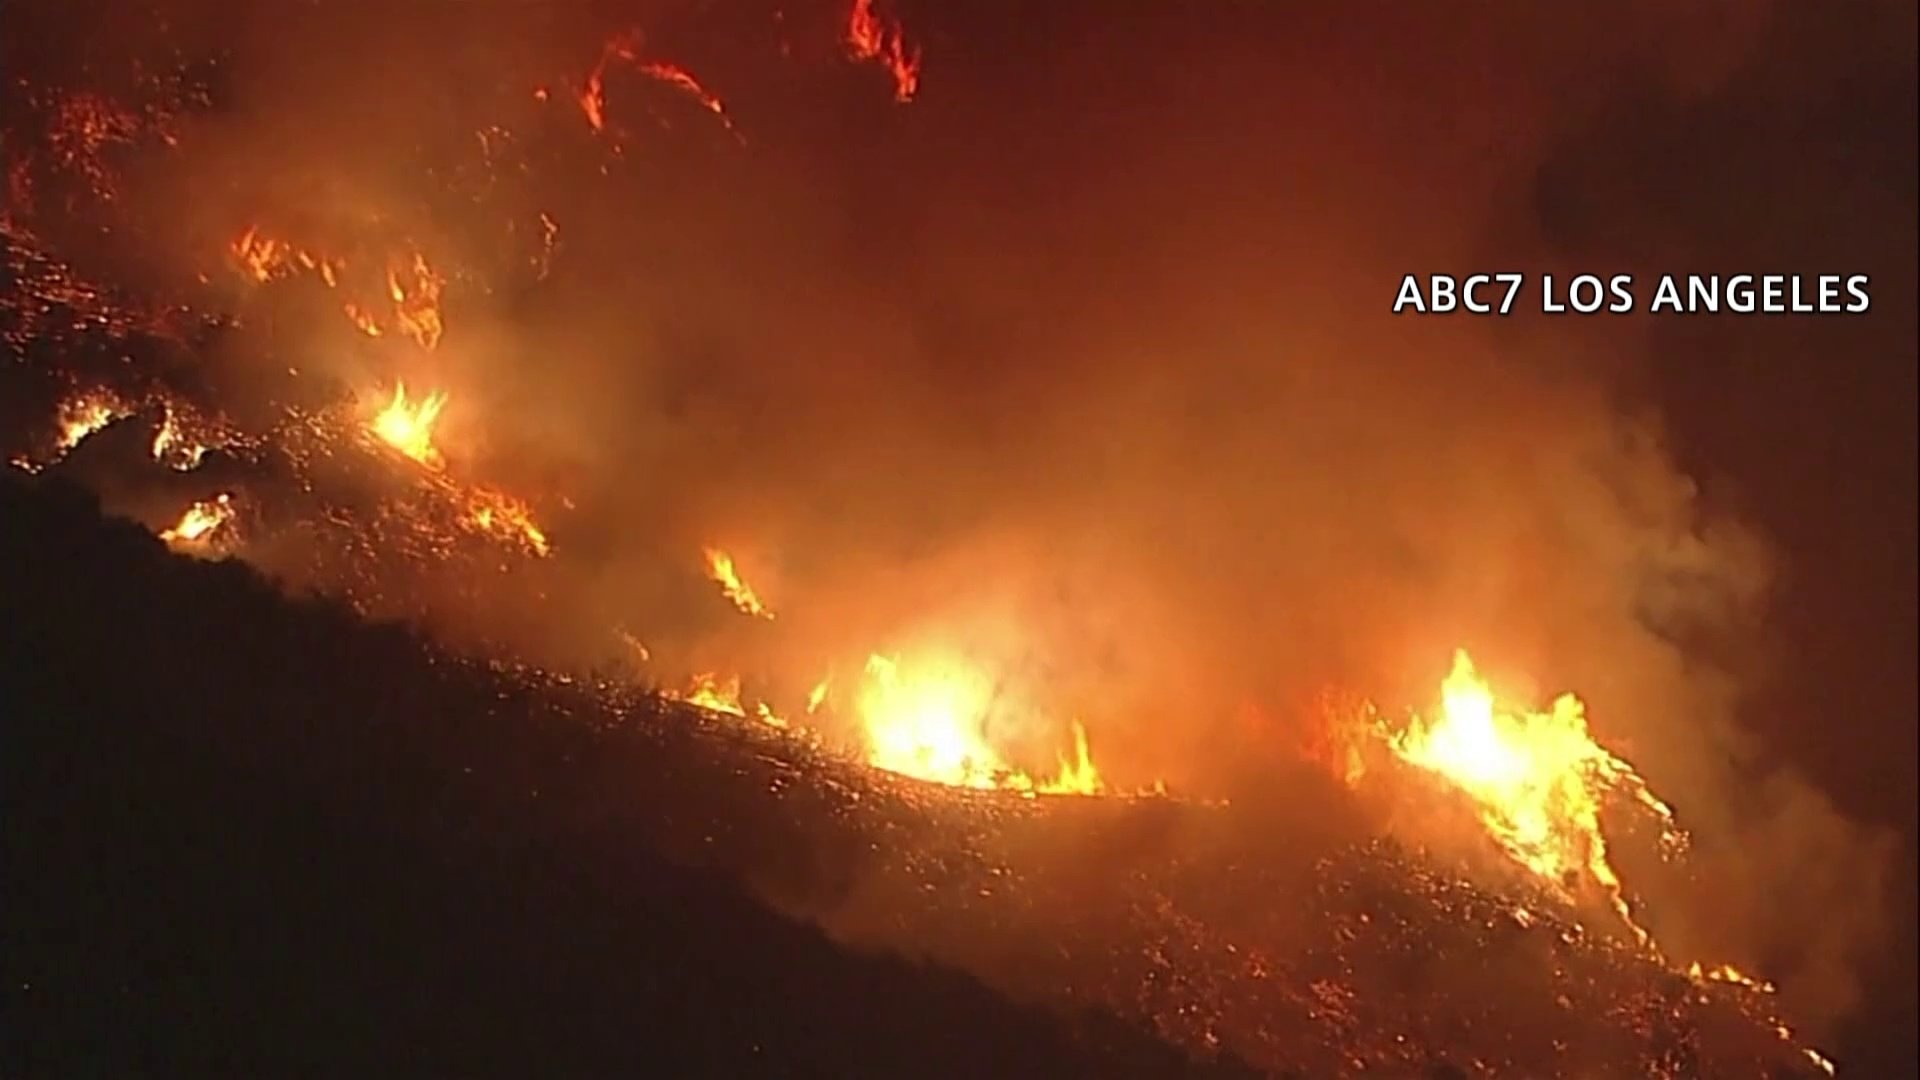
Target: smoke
<point>1081,365</point>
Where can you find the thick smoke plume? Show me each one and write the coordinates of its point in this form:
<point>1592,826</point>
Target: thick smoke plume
<point>1080,364</point>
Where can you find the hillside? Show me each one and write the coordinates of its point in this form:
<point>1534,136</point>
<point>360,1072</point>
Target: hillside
<point>250,837</point>
<point>255,835</point>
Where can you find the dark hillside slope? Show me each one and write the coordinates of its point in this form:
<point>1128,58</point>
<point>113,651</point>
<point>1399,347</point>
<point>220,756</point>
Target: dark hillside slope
<point>238,841</point>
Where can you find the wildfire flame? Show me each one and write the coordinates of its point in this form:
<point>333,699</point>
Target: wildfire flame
<point>416,303</point>
<point>173,447</point>
<point>1539,780</point>
<point>593,97</point>
<point>408,426</point>
<point>362,321</point>
<point>715,694</point>
<point>265,258</point>
<point>682,80</point>
<point>928,720</point>
<point>411,285</point>
<point>1727,973</point>
<point>83,415</point>
<point>499,514</point>
<point>721,569</point>
<point>1078,775</point>
<point>180,442</point>
<point>626,47</point>
<point>202,521</point>
<point>872,37</point>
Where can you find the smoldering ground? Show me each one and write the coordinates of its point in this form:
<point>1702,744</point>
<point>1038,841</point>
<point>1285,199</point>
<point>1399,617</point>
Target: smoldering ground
<point>1080,364</point>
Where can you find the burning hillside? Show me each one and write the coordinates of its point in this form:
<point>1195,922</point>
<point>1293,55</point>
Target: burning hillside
<point>1314,955</point>
<point>697,376</point>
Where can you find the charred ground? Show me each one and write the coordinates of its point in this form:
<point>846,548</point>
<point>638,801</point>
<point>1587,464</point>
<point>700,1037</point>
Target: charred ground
<point>813,323</point>
<point>249,836</point>
<point>254,834</point>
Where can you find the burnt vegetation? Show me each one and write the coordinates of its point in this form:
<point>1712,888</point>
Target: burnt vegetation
<point>254,836</point>
<point>254,830</point>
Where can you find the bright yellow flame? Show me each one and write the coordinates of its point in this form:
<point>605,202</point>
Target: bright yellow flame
<point>817,696</point>
<point>1539,780</point>
<point>928,720</point>
<point>201,521</point>
<point>1077,776</point>
<point>712,693</point>
<point>85,414</point>
<point>721,569</point>
<point>261,257</point>
<point>172,447</point>
<point>715,694</point>
<point>408,426</point>
<point>1727,973</point>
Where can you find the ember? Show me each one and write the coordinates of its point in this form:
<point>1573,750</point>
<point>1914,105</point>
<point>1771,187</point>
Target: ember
<point>1041,440</point>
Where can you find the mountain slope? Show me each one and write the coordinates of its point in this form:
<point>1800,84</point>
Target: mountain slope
<point>234,847</point>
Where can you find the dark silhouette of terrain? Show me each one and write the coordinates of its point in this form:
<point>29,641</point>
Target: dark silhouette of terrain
<point>248,835</point>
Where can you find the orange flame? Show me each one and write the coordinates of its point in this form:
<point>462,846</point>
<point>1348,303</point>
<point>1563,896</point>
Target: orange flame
<point>1539,780</point>
<point>265,258</point>
<point>408,426</point>
<point>593,96</point>
<point>715,694</point>
<point>928,720</point>
<point>1077,776</point>
<point>362,321</point>
<point>626,47</point>
<point>682,80</point>
<point>84,414</point>
<point>411,285</point>
<point>871,37</point>
<point>1727,973</point>
<point>201,522</point>
<point>417,304</point>
<point>172,447</point>
<point>501,515</point>
<point>721,569</point>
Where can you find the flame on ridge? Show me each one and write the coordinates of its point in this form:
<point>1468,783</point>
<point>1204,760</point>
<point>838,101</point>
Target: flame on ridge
<point>202,521</point>
<point>173,447</point>
<point>1539,780</point>
<point>715,694</point>
<point>407,426</point>
<point>735,588</point>
<point>84,414</point>
<point>928,719</point>
<point>871,36</point>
